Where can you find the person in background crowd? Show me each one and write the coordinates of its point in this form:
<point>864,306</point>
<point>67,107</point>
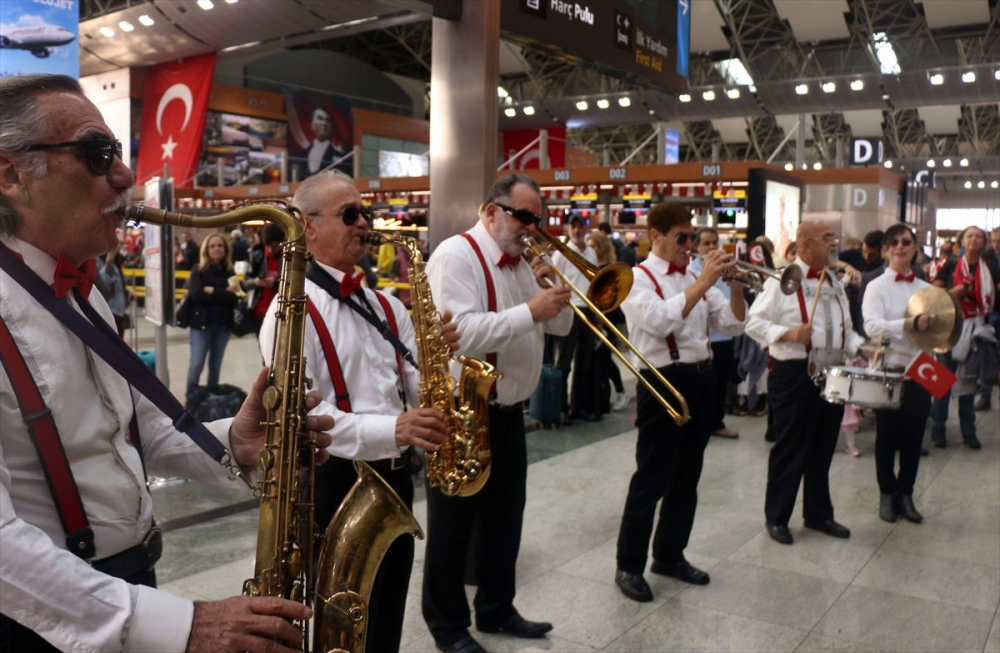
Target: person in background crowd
<point>265,270</point>
<point>851,244</point>
<point>189,251</point>
<point>992,256</point>
<point>790,253</point>
<point>111,284</point>
<point>871,250</point>
<point>241,248</point>
<point>706,240</point>
<point>973,283</point>
<point>622,251</point>
<point>212,291</point>
<point>608,371</point>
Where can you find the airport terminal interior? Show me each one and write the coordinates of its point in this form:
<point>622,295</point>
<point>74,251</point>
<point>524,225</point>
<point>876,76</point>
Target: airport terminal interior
<point>754,115</point>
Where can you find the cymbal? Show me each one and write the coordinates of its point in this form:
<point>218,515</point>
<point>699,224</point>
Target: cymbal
<point>946,319</point>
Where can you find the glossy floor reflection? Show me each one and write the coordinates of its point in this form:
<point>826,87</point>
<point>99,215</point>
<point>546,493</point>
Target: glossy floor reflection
<point>890,587</point>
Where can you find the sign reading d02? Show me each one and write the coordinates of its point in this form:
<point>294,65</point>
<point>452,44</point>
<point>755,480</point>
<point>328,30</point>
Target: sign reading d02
<point>866,151</point>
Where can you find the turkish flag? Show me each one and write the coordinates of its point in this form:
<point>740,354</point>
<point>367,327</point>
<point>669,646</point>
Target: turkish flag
<point>173,118</point>
<point>932,375</point>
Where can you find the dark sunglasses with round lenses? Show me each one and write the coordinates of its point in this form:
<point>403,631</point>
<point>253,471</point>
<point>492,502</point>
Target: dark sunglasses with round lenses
<point>99,152</point>
<point>521,215</point>
<point>905,242</point>
<point>683,238</point>
<point>350,215</point>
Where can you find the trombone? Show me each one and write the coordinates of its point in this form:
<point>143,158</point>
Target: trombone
<point>754,276</point>
<point>608,280</point>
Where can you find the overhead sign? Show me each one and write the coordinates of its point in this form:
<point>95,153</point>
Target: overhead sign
<point>630,38</point>
<point>866,151</point>
<point>40,36</point>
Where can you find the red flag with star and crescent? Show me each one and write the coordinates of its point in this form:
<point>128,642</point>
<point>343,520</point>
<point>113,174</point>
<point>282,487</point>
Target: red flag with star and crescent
<point>932,375</point>
<point>173,118</point>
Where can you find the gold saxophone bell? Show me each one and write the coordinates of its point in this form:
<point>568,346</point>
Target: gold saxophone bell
<point>608,282</point>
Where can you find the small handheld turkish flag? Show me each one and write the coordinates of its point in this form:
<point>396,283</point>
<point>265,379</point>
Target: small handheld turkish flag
<point>932,375</point>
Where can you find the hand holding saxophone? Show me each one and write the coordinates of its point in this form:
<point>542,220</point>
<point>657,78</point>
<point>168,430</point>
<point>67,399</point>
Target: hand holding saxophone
<point>426,428</point>
<point>449,332</point>
<point>243,623</point>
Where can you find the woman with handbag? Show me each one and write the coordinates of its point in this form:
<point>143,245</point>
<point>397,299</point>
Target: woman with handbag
<point>212,297</point>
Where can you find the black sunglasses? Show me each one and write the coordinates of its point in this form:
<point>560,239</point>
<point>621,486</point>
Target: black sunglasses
<point>683,238</point>
<point>350,215</point>
<point>100,152</point>
<point>521,215</point>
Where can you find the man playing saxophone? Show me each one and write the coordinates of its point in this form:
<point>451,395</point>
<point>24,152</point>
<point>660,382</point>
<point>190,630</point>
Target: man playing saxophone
<point>503,316</point>
<point>358,346</point>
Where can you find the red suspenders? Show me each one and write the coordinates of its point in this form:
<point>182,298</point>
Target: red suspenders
<point>491,297</point>
<point>671,341</point>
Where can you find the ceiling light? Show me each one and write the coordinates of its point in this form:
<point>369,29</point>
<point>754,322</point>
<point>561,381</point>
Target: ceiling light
<point>817,166</point>
<point>994,184</point>
<point>125,26</point>
<point>996,74</point>
<point>946,163</point>
<point>242,46</point>
<point>231,2</point>
<point>931,163</point>
<point>981,184</point>
<point>829,87</point>
<point>858,85</point>
<point>603,104</point>
<point>502,92</point>
<point>936,79</point>
<point>107,31</point>
<point>528,111</point>
<point>684,97</point>
<point>888,164</point>
<point>205,4</point>
<point>582,105</point>
<point>969,77</point>
<point>789,166</point>
<point>964,163</point>
<point>968,184</point>
<point>146,20</point>
<point>624,102</point>
<point>734,72</point>
<point>708,96</point>
<point>888,63</point>
<point>733,94</point>
<point>510,112</point>
<point>802,89</point>
<point>652,112</point>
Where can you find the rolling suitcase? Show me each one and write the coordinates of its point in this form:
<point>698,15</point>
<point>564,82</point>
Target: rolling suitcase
<point>545,405</point>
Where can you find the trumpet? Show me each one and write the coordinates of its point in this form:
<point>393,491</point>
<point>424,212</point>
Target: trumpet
<point>754,276</point>
<point>681,416</point>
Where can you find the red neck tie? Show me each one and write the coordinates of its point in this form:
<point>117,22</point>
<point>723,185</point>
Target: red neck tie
<point>68,276</point>
<point>676,269</point>
<point>507,259</point>
<point>349,285</point>
<point>905,277</point>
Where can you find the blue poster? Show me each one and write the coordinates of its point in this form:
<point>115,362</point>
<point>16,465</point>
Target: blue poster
<point>683,36</point>
<point>39,36</point>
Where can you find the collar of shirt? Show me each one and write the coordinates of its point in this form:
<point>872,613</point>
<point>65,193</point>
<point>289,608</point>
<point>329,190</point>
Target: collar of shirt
<point>42,264</point>
<point>660,267</point>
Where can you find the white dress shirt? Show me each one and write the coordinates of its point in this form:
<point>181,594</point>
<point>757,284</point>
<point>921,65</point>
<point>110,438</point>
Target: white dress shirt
<point>883,309</point>
<point>574,273</point>
<point>458,285</point>
<point>316,152</point>
<point>42,585</point>
<point>369,366</point>
<point>651,319</point>
<point>774,313</point>
<point>696,266</point>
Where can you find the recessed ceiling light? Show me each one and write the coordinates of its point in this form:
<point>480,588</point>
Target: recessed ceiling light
<point>968,184</point>
<point>817,166</point>
<point>946,163</point>
<point>146,20</point>
<point>829,87</point>
<point>969,77</point>
<point>510,112</point>
<point>708,96</point>
<point>789,166</point>
<point>205,4</point>
<point>931,163</point>
<point>994,184</point>
<point>936,79</point>
<point>528,110</point>
<point>888,163</point>
<point>684,97</point>
<point>624,102</point>
<point>733,94</point>
<point>981,184</point>
<point>996,74</point>
<point>125,26</point>
<point>858,85</point>
<point>231,2</point>
<point>964,163</point>
<point>107,31</point>
<point>603,104</point>
<point>582,105</point>
<point>802,89</point>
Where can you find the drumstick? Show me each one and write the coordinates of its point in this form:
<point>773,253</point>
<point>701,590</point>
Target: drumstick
<point>819,290</point>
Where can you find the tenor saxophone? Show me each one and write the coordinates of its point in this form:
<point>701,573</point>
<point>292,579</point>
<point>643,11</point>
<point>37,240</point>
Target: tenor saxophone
<point>288,545</point>
<point>461,466</point>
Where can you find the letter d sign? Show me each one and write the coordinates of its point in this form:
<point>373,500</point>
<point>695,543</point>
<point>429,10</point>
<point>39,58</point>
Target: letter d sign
<point>866,151</point>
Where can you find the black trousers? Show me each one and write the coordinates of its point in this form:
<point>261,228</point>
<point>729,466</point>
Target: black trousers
<point>577,351</point>
<point>805,429</point>
<point>15,638</point>
<point>901,430</point>
<point>387,602</point>
<point>723,364</point>
<point>668,465</point>
<point>498,511</point>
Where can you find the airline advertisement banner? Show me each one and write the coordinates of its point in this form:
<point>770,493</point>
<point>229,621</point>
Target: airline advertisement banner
<point>39,36</point>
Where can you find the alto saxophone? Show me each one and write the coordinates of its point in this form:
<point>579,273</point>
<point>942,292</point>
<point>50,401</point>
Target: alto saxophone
<point>461,466</point>
<point>288,545</point>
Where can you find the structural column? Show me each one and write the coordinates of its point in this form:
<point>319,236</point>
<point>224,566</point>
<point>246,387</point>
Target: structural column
<point>464,115</point>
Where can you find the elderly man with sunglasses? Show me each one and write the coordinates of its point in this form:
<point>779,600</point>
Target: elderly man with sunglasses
<point>670,312</point>
<point>503,311</point>
<point>77,538</point>
<point>360,353</point>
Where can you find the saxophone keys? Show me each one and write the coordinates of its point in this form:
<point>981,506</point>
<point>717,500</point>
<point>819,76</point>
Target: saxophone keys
<point>271,398</point>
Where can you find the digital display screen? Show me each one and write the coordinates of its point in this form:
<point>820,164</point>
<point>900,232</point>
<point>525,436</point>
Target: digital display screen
<point>781,214</point>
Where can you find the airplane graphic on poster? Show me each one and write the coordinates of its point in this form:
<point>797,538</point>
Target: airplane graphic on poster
<point>37,39</point>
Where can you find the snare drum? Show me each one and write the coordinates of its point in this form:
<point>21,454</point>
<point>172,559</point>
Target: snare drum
<point>863,387</point>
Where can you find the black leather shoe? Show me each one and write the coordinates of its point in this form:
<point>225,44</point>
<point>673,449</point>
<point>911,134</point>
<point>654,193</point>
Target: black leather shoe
<point>634,586</point>
<point>464,645</point>
<point>779,533</point>
<point>518,626</point>
<point>887,508</point>
<point>939,443</point>
<point>904,504</point>
<point>830,527</point>
<point>973,443</point>
<point>681,570</point>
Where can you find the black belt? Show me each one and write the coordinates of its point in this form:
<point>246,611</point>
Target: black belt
<point>701,367</point>
<point>139,558</point>
<point>402,461</point>
<point>507,409</point>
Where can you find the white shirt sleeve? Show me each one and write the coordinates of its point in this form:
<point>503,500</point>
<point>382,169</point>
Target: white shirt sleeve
<point>720,314</point>
<point>761,320</point>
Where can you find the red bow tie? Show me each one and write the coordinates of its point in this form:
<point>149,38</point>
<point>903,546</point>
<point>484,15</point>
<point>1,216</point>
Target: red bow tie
<point>507,259</point>
<point>678,269</point>
<point>68,276</point>
<point>905,277</point>
<point>349,285</point>
<point>814,274</point>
